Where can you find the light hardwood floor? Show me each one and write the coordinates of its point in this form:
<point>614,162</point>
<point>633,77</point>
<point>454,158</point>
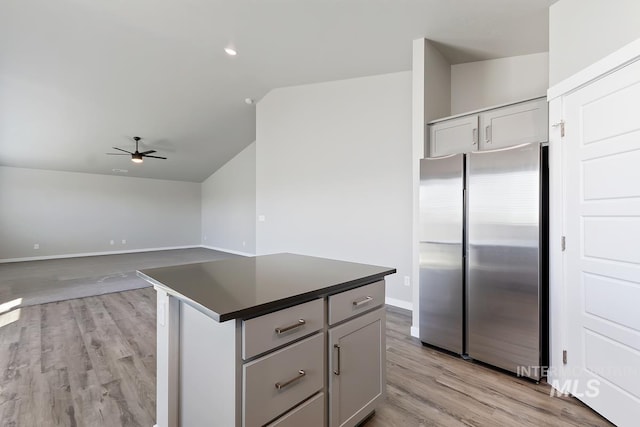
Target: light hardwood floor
<point>91,362</point>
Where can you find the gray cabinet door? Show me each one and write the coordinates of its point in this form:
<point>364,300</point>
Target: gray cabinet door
<point>357,368</point>
<point>516,124</point>
<point>453,136</point>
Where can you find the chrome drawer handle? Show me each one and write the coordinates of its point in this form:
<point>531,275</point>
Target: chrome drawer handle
<point>337,371</point>
<point>301,374</point>
<point>284,329</point>
<point>363,301</point>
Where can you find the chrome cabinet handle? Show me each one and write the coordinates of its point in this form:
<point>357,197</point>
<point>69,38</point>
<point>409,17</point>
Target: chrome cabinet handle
<point>337,371</point>
<point>284,329</point>
<point>363,301</point>
<point>487,133</point>
<point>301,374</point>
<point>475,136</point>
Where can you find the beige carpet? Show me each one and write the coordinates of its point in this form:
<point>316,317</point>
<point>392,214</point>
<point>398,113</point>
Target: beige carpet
<point>38,282</point>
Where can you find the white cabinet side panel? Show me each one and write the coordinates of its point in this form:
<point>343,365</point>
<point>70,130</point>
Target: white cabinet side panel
<point>209,351</point>
<point>168,310</point>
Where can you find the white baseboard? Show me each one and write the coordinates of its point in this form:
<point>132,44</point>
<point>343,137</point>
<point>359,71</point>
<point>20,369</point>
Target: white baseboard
<point>78,255</point>
<point>398,303</point>
<point>231,251</point>
<point>415,332</point>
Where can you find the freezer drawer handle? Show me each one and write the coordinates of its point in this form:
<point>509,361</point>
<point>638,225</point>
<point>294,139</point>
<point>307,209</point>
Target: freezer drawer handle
<point>364,300</point>
<point>284,329</point>
<point>298,377</point>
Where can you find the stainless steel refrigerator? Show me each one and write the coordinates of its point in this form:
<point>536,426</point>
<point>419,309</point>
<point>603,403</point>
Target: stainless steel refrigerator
<point>483,268</point>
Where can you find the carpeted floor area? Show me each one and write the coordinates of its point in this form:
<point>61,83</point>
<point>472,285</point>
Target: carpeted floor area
<point>37,282</point>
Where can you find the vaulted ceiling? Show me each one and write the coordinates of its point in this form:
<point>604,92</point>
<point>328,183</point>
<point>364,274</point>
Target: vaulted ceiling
<point>78,77</point>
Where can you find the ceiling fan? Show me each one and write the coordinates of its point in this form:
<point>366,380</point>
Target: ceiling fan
<point>136,156</point>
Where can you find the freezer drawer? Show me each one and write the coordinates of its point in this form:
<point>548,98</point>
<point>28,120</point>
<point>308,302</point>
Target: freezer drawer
<point>441,296</point>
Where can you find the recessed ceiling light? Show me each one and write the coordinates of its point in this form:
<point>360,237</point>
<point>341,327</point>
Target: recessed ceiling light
<point>230,51</point>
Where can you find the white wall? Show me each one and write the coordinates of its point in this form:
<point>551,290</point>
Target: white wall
<point>73,213</point>
<point>229,205</point>
<point>437,84</point>
<point>333,173</point>
<point>584,31</point>
<point>431,97</point>
<point>481,84</point>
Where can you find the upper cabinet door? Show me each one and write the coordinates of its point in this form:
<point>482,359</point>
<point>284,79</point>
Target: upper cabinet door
<point>513,125</point>
<point>453,136</point>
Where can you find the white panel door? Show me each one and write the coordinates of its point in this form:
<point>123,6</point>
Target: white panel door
<point>602,223</point>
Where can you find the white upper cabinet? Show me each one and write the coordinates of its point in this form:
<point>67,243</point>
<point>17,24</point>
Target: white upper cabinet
<point>506,126</point>
<point>453,136</point>
<point>513,125</point>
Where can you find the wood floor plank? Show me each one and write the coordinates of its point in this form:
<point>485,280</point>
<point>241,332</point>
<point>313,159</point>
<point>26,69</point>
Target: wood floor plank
<point>91,362</point>
<point>428,387</point>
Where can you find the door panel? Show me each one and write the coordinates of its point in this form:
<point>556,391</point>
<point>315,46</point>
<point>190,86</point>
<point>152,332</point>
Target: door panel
<point>356,365</point>
<point>441,253</point>
<point>503,278</point>
<point>517,124</point>
<point>602,216</point>
<point>453,136</point>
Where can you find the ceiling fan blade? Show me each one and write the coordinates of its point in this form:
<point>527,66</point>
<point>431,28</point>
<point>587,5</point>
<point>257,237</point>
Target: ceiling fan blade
<point>117,154</point>
<point>144,153</point>
<point>154,157</point>
<point>116,148</point>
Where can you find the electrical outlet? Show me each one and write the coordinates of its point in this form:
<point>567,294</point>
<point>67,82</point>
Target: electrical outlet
<point>36,246</point>
<point>407,281</point>
<point>124,241</point>
<point>261,218</point>
<point>111,242</point>
<point>244,243</point>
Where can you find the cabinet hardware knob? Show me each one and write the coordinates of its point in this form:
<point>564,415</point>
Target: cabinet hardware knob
<point>364,300</point>
<point>298,377</point>
<point>475,136</point>
<point>487,133</point>
<point>283,329</point>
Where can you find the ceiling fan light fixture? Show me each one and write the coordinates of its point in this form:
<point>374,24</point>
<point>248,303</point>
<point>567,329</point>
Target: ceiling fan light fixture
<point>136,156</point>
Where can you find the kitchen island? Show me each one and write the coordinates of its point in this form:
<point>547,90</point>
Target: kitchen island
<point>280,340</point>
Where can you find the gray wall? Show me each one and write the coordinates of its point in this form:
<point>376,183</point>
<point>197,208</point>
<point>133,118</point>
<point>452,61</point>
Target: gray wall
<point>584,31</point>
<point>229,205</point>
<point>333,173</point>
<point>73,213</point>
<point>482,84</point>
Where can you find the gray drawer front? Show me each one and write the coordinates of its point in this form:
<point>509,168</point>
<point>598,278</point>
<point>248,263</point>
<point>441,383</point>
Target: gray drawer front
<point>266,332</point>
<point>351,303</point>
<point>262,401</point>
<point>309,414</point>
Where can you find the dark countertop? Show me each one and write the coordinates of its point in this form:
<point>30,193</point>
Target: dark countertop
<point>241,288</point>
